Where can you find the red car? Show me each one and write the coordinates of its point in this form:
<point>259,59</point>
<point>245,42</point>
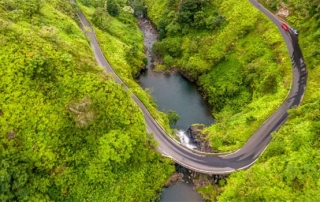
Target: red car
<point>284,26</point>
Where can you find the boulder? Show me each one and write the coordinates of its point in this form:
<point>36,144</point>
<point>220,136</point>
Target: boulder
<point>282,11</point>
<point>196,136</point>
<point>175,177</point>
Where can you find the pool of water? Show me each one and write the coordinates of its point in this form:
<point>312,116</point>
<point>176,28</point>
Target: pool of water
<point>180,192</point>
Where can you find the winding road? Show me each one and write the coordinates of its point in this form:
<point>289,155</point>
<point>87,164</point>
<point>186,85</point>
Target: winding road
<point>254,147</point>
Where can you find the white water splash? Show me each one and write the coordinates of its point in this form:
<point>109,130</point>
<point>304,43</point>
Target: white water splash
<point>185,140</point>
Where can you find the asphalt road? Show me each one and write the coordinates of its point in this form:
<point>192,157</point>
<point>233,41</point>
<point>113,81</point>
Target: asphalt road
<point>248,154</point>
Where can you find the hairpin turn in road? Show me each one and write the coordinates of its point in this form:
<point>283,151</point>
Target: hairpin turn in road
<point>254,147</point>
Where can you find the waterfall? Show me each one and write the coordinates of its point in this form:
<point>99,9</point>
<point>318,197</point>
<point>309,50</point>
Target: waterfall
<point>185,140</point>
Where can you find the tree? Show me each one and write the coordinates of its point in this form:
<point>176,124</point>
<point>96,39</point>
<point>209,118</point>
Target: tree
<point>113,8</point>
<point>138,7</point>
<point>31,7</point>
<point>187,11</point>
<point>161,29</point>
<point>173,117</point>
<point>99,18</point>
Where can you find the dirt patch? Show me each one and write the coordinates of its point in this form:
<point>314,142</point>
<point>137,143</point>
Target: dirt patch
<point>283,11</point>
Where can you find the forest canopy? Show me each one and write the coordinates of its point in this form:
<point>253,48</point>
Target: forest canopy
<point>244,70</point>
<point>68,131</point>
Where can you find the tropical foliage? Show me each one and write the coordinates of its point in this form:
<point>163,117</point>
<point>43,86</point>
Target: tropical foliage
<point>68,132</point>
<point>122,43</point>
<point>247,59</point>
<point>289,168</point>
<point>236,56</point>
<point>173,117</point>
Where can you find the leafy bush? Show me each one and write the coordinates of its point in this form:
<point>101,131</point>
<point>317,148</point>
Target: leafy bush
<point>173,117</point>
<point>113,8</point>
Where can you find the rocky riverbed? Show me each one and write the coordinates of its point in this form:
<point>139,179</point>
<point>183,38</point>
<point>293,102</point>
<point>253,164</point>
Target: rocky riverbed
<point>195,135</point>
<point>209,186</point>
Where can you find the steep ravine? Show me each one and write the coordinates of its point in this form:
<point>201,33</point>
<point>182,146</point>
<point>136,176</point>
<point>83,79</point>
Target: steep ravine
<point>173,91</point>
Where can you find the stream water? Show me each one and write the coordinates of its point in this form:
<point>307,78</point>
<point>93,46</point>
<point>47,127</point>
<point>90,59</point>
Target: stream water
<point>172,91</point>
<point>180,192</point>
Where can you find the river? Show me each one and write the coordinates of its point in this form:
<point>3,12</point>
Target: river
<point>172,91</point>
<point>180,192</point>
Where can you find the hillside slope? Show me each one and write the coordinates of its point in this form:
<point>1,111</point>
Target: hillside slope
<point>289,168</point>
<point>121,42</point>
<point>68,131</point>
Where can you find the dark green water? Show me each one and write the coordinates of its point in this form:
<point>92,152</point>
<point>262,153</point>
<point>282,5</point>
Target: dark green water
<point>180,192</point>
<point>173,92</point>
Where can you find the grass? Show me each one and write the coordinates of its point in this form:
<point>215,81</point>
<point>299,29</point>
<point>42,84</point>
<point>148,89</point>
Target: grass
<point>208,193</point>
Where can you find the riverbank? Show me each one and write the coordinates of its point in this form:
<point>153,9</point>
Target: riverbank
<point>208,186</point>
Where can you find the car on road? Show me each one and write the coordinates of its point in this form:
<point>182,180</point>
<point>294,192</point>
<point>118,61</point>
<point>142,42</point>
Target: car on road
<point>284,26</point>
<point>294,31</point>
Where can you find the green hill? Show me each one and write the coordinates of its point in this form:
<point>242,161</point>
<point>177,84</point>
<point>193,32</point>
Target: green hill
<point>68,132</point>
<point>289,168</point>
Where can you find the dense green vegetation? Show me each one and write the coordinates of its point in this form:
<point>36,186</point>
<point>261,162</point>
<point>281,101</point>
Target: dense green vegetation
<point>68,132</point>
<point>122,43</point>
<point>236,56</point>
<point>173,117</point>
<point>289,168</point>
<point>238,71</point>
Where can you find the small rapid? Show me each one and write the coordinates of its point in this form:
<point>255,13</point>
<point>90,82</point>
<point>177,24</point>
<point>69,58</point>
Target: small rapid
<point>185,140</point>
